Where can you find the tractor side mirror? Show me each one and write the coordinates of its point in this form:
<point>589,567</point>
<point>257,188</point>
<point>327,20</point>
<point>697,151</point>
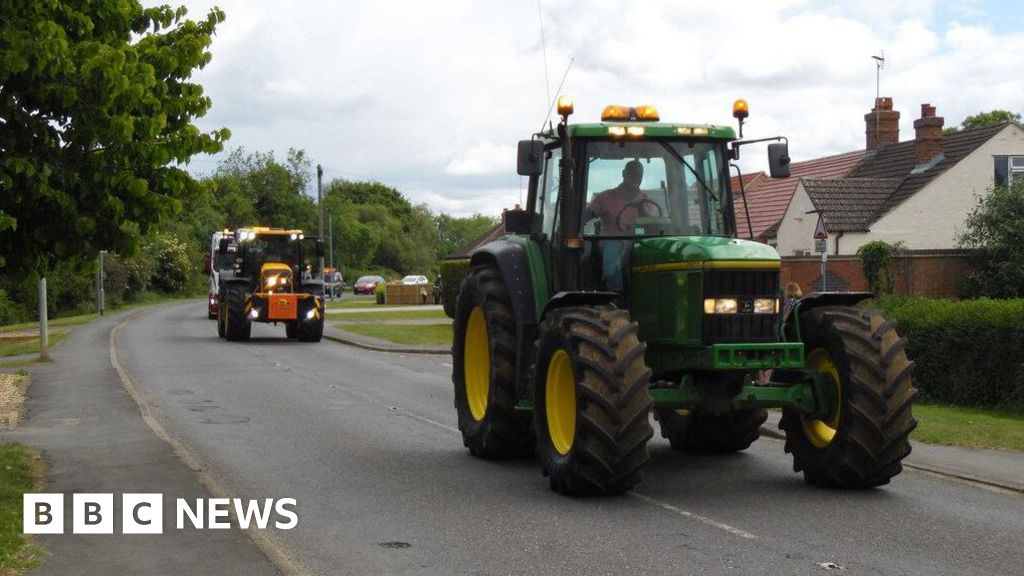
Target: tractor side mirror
<point>319,248</point>
<point>518,221</point>
<point>207,264</point>
<point>531,158</point>
<point>778,160</point>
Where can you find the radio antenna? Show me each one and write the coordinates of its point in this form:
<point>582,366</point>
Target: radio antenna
<point>544,50</point>
<point>547,117</point>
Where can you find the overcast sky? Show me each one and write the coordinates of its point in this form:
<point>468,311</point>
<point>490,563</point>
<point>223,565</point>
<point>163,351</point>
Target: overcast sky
<point>431,96</point>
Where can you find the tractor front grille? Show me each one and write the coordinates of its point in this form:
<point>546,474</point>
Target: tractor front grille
<point>744,285</point>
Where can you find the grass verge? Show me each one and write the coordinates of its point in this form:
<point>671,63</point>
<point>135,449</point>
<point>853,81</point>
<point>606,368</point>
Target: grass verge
<point>30,344</point>
<point>393,315</point>
<point>350,301</point>
<point>22,472</point>
<point>971,427</point>
<point>66,321</point>
<point>419,334</point>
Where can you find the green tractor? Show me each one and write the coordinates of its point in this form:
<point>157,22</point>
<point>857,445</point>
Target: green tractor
<point>622,288</point>
<point>274,278</point>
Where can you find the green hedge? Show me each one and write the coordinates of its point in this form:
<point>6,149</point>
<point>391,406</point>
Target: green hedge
<point>452,274</point>
<point>967,353</point>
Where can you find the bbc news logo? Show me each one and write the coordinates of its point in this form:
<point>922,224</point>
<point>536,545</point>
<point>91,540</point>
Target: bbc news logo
<point>144,513</point>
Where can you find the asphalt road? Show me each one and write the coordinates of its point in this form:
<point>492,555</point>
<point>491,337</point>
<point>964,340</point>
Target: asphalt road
<point>367,443</point>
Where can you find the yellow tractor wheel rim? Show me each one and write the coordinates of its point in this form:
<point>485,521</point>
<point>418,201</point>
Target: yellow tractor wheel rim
<point>821,432</point>
<point>477,363</point>
<point>560,401</point>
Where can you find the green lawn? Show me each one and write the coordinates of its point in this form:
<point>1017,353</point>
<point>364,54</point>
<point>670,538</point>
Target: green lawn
<point>386,314</point>
<point>66,321</point>
<point>350,301</point>
<point>430,334</point>
<point>21,472</point>
<point>30,344</point>
<point>968,427</point>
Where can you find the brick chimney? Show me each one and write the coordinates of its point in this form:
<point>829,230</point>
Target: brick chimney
<point>882,124</point>
<point>928,134</point>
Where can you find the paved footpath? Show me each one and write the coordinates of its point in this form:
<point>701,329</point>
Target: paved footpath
<point>93,440</point>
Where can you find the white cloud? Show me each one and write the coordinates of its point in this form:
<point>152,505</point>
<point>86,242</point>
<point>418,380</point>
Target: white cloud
<point>431,98</point>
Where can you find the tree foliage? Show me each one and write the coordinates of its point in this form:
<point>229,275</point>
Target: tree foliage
<point>985,119</point>
<point>95,107</point>
<point>995,228</point>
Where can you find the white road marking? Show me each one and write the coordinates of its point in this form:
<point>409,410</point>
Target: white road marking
<point>703,519</point>
<point>429,421</point>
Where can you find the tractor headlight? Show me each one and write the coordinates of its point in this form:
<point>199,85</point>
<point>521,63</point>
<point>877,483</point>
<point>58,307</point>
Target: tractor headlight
<point>310,314</point>
<point>766,306</point>
<point>720,306</point>
<point>273,281</point>
<point>254,313</point>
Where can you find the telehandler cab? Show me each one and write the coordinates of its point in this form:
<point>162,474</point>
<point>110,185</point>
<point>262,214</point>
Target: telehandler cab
<point>622,288</point>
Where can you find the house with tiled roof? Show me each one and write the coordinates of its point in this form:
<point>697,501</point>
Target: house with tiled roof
<point>918,192</point>
<point>766,199</point>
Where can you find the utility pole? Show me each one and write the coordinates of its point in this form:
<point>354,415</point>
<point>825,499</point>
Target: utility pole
<point>100,281</point>
<point>320,211</point>
<point>330,232</point>
<point>44,337</point>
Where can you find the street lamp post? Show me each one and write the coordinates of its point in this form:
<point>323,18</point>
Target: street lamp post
<point>320,213</point>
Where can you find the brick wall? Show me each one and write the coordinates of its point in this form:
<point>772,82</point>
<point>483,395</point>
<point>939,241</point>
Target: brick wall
<point>932,273</point>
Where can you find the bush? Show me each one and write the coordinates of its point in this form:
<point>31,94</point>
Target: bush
<point>452,274</point>
<point>11,312</point>
<point>968,352</point>
<point>380,292</point>
<point>876,262</point>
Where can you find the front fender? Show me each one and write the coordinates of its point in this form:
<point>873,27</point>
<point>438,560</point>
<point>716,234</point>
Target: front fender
<point>791,327</point>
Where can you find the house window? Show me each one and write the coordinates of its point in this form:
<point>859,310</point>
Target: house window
<point>1008,169</point>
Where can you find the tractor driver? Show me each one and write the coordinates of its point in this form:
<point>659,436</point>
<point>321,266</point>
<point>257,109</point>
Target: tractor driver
<point>618,208</point>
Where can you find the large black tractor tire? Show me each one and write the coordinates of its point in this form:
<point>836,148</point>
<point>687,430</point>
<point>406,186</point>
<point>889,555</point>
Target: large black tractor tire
<point>721,433</point>
<point>221,319</point>
<point>237,325</point>
<point>592,403</point>
<point>310,330</point>
<point>674,425</point>
<point>484,369</point>
<point>864,438</point>
<point>291,329</point>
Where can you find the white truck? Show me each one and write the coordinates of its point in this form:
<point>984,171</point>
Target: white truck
<point>219,262</point>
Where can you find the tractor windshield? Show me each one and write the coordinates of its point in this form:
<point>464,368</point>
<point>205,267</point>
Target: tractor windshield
<point>655,188</point>
<point>274,248</point>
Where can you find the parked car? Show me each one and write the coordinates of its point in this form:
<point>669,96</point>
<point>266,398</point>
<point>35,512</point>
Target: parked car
<point>415,280</point>
<point>334,284</point>
<point>366,284</point>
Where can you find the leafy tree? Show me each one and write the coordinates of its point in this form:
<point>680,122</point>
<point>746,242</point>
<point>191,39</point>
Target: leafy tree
<point>96,106</point>
<point>255,189</point>
<point>995,228</point>
<point>454,232</point>
<point>985,119</point>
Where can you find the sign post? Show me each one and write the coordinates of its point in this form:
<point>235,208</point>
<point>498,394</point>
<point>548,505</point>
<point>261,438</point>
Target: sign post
<point>821,245</point>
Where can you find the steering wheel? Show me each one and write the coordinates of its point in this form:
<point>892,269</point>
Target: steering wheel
<point>637,204</point>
